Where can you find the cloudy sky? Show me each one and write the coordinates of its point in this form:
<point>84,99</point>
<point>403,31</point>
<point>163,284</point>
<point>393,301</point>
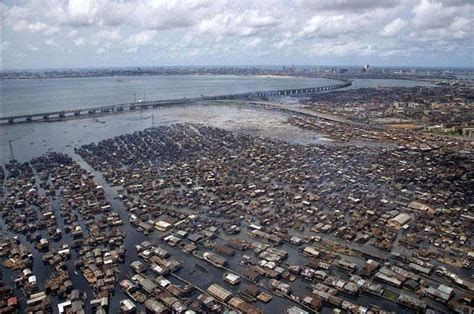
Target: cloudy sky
<point>94,33</point>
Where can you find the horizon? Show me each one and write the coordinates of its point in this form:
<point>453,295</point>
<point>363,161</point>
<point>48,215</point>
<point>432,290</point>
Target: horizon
<point>259,66</point>
<point>157,33</point>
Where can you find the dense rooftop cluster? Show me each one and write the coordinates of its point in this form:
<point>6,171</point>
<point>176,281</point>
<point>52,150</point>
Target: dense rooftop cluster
<point>377,199</point>
<point>418,106</point>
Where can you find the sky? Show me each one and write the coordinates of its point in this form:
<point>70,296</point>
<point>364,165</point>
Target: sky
<point>106,33</point>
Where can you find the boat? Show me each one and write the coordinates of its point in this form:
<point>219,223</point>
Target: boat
<point>246,297</point>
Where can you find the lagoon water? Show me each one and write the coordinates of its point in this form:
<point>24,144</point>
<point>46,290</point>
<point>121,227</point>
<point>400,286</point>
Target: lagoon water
<point>28,96</point>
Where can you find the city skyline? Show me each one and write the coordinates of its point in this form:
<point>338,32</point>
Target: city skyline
<point>76,34</point>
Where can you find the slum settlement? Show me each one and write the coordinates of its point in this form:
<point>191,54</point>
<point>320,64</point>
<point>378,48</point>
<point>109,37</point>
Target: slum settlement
<point>195,219</point>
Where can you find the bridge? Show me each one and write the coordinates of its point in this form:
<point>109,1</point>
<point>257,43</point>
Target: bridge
<point>118,108</point>
<point>309,113</point>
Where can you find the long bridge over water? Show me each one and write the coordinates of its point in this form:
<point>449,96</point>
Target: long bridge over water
<point>118,108</point>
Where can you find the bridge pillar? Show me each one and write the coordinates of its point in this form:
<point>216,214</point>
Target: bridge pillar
<point>77,113</point>
<point>29,118</point>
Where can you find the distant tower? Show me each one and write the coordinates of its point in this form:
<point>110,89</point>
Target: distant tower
<point>365,68</point>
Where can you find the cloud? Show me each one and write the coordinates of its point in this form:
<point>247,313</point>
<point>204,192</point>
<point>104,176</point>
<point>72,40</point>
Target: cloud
<point>32,48</point>
<point>245,24</point>
<point>22,25</point>
<point>342,49</point>
<point>348,5</point>
<point>73,33</point>
<point>460,29</point>
<point>107,36</point>
<point>147,14</point>
<point>254,43</point>
<point>4,45</point>
<point>79,42</point>
<point>434,15</point>
<point>394,28</point>
<point>332,26</point>
<point>131,50</point>
<point>443,21</point>
<point>229,30</point>
<point>455,3</point>
<point>50,42</point>
<point>165,15</point>
<point>76,12</point>
<point>142,38</point>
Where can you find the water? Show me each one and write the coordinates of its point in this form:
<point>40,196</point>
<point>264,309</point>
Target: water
<point>38,96</point>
